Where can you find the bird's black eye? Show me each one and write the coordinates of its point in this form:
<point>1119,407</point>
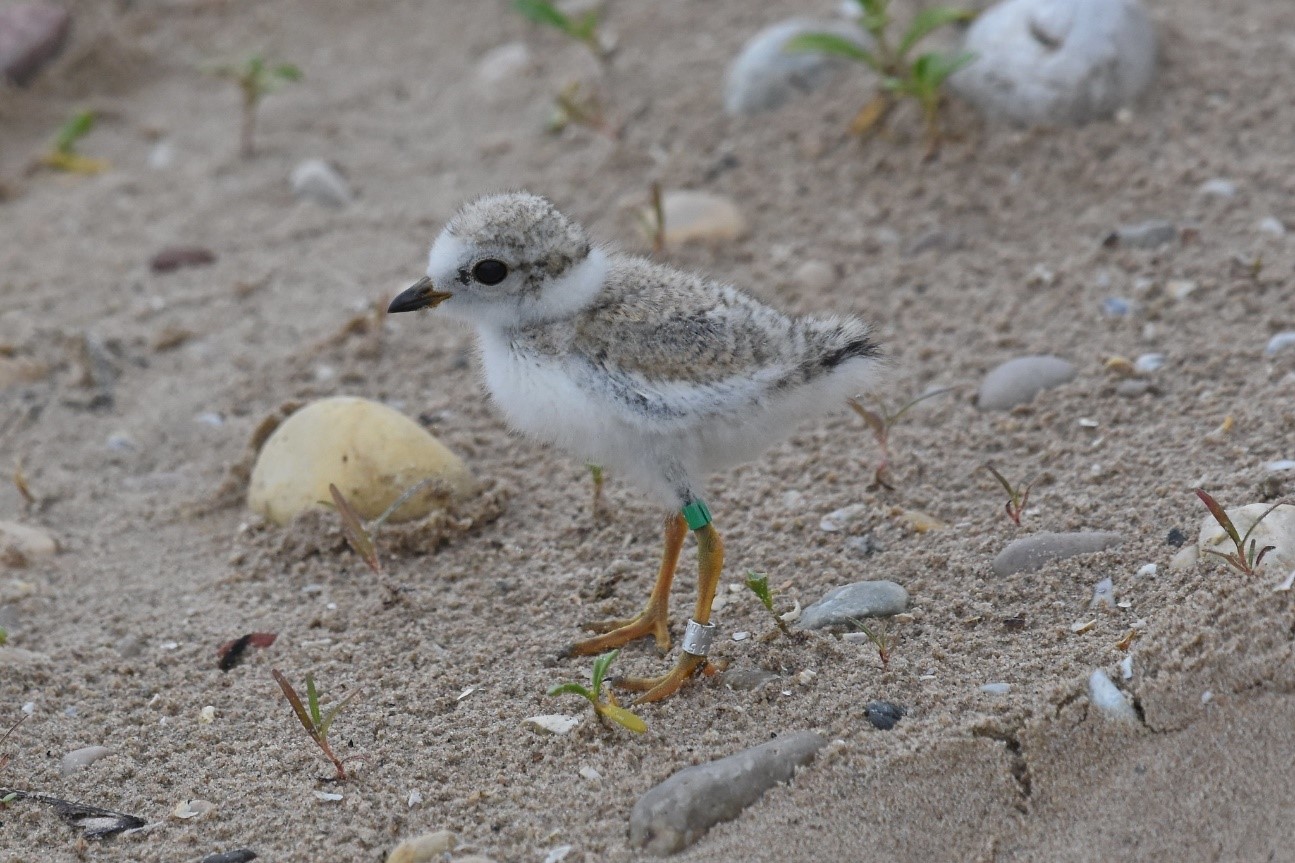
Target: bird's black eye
<point>490,272</point>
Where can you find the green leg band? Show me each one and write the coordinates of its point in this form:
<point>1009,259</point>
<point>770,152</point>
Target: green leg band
<point>697,514</point>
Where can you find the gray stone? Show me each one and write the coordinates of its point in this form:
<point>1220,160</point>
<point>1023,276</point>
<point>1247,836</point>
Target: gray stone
<point>1279,342</point>
<point>841,605</point>
<point>1041,62</point>
<point>764,75</point>
<point>22,543</point>
<point>31,35</point>
<point>1030,553</point>
<point>1143,235</point>
<point>318,181</point>
<point>79,759</point>
<point>676,813</point>
<point>1018,380</point>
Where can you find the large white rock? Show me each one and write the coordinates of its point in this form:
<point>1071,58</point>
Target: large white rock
<point>1057,61</point>
<point>371,452</point>
<point>1277,529</point>
<point>764,75</point>
<point>318,181</point>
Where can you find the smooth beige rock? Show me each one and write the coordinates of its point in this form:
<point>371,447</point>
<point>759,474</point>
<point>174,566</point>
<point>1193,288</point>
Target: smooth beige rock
<point>423,849</point>
<point>1277,529</point>
<point>28,542</point>
<point>692,216</point>
<point>371,452</point>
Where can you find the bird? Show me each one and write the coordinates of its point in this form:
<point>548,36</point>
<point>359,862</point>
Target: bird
<point>661,375</point>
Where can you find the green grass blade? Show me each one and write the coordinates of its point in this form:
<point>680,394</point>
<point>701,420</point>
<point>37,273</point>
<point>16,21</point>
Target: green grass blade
<point>540,12</point>
<point>758,583</point>
<point>295,700</point>
<point>601,664</point>
<point>332,712</point>
<point>830,43</point>
<point>570,689</point>
<point>928,21</point>
<point>312,701</point>
<point>76,128</point>
<point>288,72</point>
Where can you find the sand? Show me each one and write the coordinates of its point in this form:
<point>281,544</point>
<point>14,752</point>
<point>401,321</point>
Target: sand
<point>160,563</point>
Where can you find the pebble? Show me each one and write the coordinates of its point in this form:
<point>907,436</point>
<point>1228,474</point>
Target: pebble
<point>996,688</point>
<point>31,35</point>
<point>747,679</point>
<point>1280,342</point>
<point>587,772</point>
<point>1134,388</point>
<point>1277,529</point>
<point>1018,380</point>
<point>883,715</point>
<point>558,854</point>
<point>1217,188</point>
<point>162,156</point>
<point>1103,596</point>
<point>1180,289</point>
<point>678,812</point>
<point>764,76</point>
<point>1108,699</point>
<point>423,849</point>
<point>371,452</point>
<point>504,63</point>
<point>918,521</point>
<point>1147,570</point>
<point>839,519</point>
<point>1148,363</point>
<point>1030,553</point>
<point>240,855</point>
<point>552,723</point>
<point>173,258</point>
<point>121,442</point>
<point>1150,234</point>
<point>316,180</point>
<point>79,759</point>
<point>849,602</point>
<point>693,216</point>
<point>1126,667</point>
<point>1271,226</point>
<point>1041,62</point>
<point>194,808</point>
<point>1175,538</point>
<point>1280,465</point>
<point>814,277</point>
<point>1117,307</point>
<point>21,543</point>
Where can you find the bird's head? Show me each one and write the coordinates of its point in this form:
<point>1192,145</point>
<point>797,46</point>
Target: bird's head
<point>503,259</point>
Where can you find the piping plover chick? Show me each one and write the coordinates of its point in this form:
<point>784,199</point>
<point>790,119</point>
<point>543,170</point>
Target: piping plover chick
<point>660,375</point>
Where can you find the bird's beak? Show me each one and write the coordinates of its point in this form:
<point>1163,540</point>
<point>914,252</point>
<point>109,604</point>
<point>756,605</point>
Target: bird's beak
<point>420,295</point>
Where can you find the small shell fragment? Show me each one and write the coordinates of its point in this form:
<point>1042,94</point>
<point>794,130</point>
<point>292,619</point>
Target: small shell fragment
<point>328,796</point>
<point>1082,626</point>
<point>192,808</point>
<point>207,715</point>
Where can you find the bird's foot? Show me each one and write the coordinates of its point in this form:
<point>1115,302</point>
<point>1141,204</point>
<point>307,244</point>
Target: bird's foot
<point>653,621</point>
<point>657,688</point>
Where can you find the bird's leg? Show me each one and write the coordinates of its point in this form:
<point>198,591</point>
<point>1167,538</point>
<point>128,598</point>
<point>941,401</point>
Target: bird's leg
<point>710,562</point>
<point>655,618</point>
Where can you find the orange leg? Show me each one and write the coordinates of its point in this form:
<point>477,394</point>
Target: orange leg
<point>655,619</point>
<point>710,563</point>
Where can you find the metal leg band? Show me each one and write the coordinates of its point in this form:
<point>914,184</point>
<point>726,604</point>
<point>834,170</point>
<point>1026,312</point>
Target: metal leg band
<point>697,637</point>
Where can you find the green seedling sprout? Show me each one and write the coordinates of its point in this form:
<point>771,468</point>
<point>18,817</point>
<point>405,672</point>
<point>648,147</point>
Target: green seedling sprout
<point>316,722</point>
<point>581,105</point>
<point>1245,558</point>
<point>597,476</point>
<point>255,78</point>
<point>758,583</point>
<point>593,693</point>
<point>63,155</point>
<point>881,421</point>
<point>4,636</point>
<point>880,638</point>
<point>582,28</point>
<point>1017,496</point>
<point>903,76</point>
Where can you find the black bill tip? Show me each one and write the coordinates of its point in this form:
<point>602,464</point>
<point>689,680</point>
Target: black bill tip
<point>420,295</point>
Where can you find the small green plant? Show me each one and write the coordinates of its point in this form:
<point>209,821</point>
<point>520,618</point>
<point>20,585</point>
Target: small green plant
<point>315,721</point>
<point>1017,496</point>
<point>582,29</point>
<point>582,105</point>
<point>881,639</point>
<point>362,538</point>
<point>593,693</point>
<point>881,421</point>
<point>758,583</point>
<point>903,76</point>
<point>63,156</point>
<point>597,477</point>
<point>4,636</point>
<point>1244,558</point>
<point>255,78</point>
